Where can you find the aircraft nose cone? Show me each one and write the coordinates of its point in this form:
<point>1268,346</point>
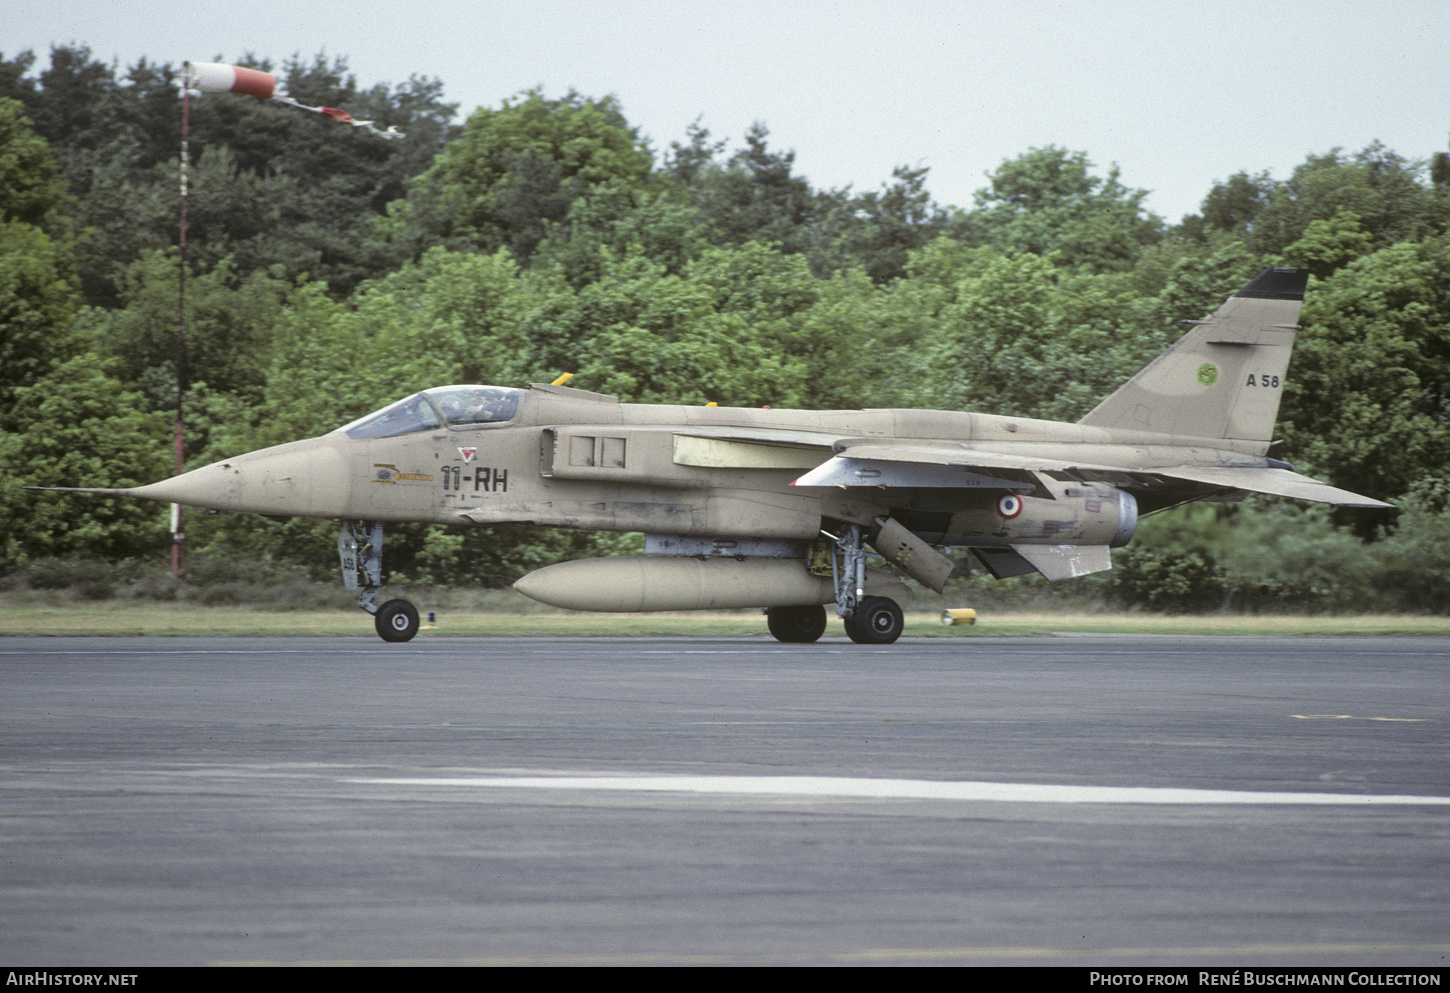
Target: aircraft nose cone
<point>302,479</point>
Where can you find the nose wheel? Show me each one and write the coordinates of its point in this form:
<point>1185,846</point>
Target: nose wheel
<point>396,620</point>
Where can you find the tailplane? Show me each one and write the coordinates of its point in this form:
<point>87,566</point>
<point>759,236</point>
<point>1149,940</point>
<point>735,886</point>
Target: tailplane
<point>1224,378</point>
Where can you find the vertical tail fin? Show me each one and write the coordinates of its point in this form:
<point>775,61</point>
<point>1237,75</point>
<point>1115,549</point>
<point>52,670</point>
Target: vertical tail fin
<point>1224,378</point>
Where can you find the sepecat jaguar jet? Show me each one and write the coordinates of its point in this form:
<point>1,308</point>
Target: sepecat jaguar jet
<point>776,508</point>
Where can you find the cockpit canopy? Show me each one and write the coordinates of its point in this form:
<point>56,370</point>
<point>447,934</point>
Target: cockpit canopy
<point>454,406</point>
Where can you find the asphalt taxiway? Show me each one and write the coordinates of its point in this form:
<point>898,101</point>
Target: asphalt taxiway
<point>1094,800</point>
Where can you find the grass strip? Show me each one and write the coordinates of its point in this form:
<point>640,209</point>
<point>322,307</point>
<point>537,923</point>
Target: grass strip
<point>126,618</point>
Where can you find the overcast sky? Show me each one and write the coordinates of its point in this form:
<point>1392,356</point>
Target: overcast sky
<point>1177,94</point>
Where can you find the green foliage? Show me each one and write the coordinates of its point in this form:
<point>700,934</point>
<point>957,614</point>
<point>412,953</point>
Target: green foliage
<point>654,337</point>
<point>78,426</point>
<point>1378,186</point>
<point>877,231</point>
<point>1232,206</point>
<point>30,188</point>
<point>514,171</point>
<point>1046,201</point>
<point>615,218</point>
<point>753,195</point>
<point>453,318</point>
<point>769,290</point>
<point>1293,557</point>
<point>1410,565</point>
<point>316,189</point>
<point>1368,397</point>
<point>861,343</point>
<point>229,321</point>
<point>38,299</point>
<point>1198,281</point>
<point>1327,246</point>
<point>457,555</point>
<point>1182,583</point>
<point>320,375</point>
<point>1021,336</point>
<point>38,305</point>
<point>1266,556</point>
<point>489,557</point>
<point>269,185</point>
<point>207,581</point>
<point>1254,556</point>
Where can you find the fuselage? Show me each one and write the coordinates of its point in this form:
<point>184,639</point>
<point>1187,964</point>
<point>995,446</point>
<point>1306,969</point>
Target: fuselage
<point>566,458</point>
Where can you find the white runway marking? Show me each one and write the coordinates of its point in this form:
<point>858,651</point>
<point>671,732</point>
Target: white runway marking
<point>903,789</point>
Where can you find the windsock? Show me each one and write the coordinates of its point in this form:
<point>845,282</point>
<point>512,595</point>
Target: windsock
<point>213,77</point>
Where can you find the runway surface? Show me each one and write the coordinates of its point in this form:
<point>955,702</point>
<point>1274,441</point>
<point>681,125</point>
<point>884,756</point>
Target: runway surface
<point>1093,800</point>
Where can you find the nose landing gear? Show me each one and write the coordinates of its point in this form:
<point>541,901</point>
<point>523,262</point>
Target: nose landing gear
<point>396,620</point>
<point>361,549</point>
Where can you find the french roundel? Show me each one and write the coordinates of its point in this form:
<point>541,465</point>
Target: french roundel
<point>1009,506</point>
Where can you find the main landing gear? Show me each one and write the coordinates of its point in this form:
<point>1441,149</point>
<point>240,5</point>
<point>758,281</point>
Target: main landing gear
<point>877,621</point>
<point>869,620</point>
<point>361,549</point>
<point>796,624</point>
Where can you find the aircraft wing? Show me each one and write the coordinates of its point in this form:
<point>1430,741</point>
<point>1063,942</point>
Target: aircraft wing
<point>1277,482</point>
<point>951,466</point>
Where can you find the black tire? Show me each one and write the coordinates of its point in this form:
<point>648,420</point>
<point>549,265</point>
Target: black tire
<point>800,625</point>
<point>877,621</point>
<point>396,620</point>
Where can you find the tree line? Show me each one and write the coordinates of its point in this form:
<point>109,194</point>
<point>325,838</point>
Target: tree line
<point>329,273</point>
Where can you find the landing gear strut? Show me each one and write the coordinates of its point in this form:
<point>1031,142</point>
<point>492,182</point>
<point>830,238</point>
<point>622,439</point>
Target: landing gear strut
<point>361,549</point>
<point>869,620</point>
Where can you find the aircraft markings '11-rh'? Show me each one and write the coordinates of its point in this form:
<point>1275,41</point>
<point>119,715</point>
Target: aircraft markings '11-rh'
<point>775,508</point>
